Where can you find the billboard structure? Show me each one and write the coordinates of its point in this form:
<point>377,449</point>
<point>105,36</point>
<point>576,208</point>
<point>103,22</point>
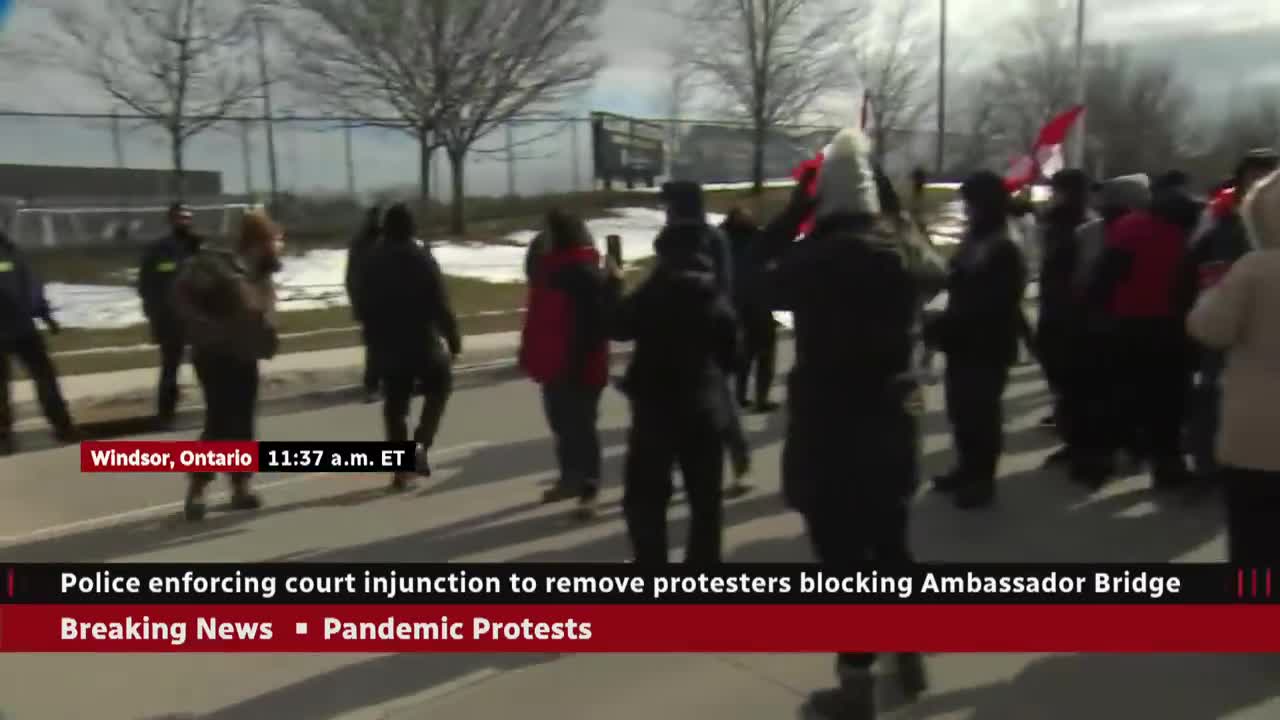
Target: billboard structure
<point>723,153</point>
<point>627,149</point>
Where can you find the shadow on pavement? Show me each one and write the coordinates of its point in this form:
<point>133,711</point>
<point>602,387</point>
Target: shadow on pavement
<point>1068,687</point>
<point>468,535</point>
<point>365,684</point>
<point>99,423</point>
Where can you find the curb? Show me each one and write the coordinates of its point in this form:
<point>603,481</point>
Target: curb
<point>312,395</point>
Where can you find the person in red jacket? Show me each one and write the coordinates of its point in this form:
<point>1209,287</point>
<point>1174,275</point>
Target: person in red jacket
<point>565,349</point>
<point>1135,289</point>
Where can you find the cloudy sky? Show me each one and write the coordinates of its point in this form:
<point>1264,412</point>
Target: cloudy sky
<point>1220,46</point>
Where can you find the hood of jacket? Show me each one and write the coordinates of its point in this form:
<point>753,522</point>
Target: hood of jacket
<point>1127,192</point>
<point>1261,213</point>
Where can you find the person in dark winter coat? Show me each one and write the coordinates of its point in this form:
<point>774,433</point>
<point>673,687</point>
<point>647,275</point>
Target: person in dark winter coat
<point>22,301</point>
<point>1135,287</point>
<point>759,330</point>
<point>1172,192</point>
<point>687,217</point>
<point>161,262</point>
<point>851,457</point>
<point>686,347</point>
<point>412,331</point>
<point>361,245</point>
<point>1219,242</point>
<point>1058,323</point>
<point>226,304</point>
<point>1098,434</point>
<point>565,348</point>
<point>979,332</point>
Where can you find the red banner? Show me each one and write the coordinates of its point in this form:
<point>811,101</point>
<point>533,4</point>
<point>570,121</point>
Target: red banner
<point>168,456</point>
<point>647,628</point>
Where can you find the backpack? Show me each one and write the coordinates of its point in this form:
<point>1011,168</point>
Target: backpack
<point>221,308</point>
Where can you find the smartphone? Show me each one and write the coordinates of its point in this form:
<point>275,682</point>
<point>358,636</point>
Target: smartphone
<point>614,248</point>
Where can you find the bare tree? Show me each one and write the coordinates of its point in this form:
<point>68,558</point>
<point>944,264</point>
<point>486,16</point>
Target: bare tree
<point>1036,80</point>
<point>495,60</point>
<point>769,59</point>
<point>896,65</point>
<point>1137,109</point>
<point>367,62</point>
<point>1253,121</point>
<point>679,96</point>
<point>448,71</point>
<point>179,64</point>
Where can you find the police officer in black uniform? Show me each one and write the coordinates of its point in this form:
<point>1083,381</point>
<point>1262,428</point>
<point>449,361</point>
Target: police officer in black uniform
<point>160,263</point>
<point>21,302</point>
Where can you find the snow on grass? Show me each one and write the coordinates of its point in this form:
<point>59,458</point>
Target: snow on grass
<point>315,279</point>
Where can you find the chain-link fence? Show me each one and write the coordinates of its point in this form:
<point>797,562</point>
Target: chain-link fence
<point>320,171</point>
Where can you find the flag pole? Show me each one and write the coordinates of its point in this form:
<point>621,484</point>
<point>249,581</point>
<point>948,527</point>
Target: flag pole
<point>1082,134</point>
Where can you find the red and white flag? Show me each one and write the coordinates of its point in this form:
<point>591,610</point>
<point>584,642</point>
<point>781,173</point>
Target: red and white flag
<point>1046,155</point>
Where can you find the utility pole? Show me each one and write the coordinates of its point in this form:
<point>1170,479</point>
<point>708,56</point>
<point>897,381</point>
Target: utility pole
<point>1082,134</point>
<point>266,114</point>
<point>940,161</point>
<point>350,158</point>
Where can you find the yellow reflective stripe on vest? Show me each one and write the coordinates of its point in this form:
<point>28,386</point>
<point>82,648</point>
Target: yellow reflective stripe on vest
<point>169,266</point>
<point>6,266</point>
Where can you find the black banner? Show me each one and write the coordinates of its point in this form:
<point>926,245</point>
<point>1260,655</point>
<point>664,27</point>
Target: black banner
<point>335,457</point>
<point>425,583</point>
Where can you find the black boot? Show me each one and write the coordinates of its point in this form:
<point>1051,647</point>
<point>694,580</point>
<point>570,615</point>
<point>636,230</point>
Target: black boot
<point>975,495</point>
<point>242,498</point>
<point>854,699</point>
<point>194,508</point>
<point>947,483</point>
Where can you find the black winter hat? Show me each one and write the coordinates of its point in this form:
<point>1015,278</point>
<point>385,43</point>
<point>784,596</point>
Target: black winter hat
<point>986,192</point>
<point>683,199</point>
<point>1072,181</point>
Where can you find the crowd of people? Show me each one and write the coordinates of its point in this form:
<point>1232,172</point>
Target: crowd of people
<point>1158,331</point>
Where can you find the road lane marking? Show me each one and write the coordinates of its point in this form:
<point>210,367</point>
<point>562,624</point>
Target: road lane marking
<point>114,518</point>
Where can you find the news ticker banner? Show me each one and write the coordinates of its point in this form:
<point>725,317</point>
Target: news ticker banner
<point>626,608</point>
<point>228,457</point>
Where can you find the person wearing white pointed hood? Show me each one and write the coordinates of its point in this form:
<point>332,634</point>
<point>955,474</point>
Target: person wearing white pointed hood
<point>850,459</point>
<point>1240,315</point>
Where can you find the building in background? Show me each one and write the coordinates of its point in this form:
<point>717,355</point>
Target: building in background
<point>47,206</point>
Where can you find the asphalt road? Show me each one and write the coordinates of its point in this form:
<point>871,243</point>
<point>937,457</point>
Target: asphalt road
<point>493,461</point>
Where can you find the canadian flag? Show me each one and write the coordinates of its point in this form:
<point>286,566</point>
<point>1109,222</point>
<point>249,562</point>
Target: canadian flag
<point>1046,155</point>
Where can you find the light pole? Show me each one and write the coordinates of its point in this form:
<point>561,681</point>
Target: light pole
<point>1082,134</point>
<point>266,113</point>
<point>940,160</point>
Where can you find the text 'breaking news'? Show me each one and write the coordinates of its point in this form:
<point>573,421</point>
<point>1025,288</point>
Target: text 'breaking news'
<point>603,608</point>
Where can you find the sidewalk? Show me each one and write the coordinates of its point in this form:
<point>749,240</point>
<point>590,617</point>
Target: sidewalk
<point>117,393</point>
